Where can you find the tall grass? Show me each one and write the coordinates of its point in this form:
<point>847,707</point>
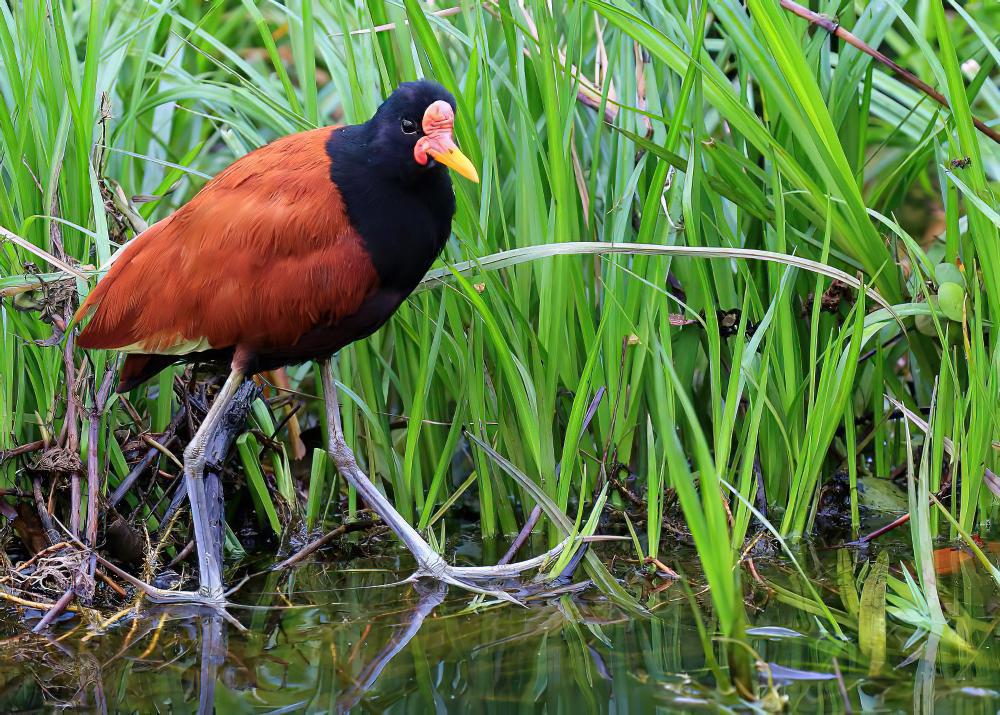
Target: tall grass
<point>732,126</point>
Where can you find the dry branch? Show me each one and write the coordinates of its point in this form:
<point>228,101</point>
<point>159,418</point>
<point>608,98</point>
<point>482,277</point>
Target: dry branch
<point>834,28</point>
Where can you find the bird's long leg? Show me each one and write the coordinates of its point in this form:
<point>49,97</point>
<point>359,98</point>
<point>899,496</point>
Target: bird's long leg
<point>209,568</point>
<point>429,563</point>
<point>210,592</point>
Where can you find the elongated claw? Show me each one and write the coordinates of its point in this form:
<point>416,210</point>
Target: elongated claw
<point>161,595</point>
<point>471,578</point>
<point>501,571</point>
<point>447,577</point>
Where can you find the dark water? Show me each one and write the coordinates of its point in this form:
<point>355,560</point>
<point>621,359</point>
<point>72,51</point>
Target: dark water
<point>329,638</point>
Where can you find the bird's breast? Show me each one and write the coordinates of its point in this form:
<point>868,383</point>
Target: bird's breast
<point>403,223</point>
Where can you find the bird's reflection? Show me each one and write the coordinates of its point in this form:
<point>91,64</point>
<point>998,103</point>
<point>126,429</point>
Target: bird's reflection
<point>431,596</point>
<point>214,646</point>
<point>214,649</point>
<point>209,627</point>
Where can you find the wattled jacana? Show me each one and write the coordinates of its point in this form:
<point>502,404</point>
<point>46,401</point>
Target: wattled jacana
<point>296,250</point>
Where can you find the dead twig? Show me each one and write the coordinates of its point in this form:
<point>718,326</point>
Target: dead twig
<point>93,466</point>
<point>28,246</point>
<point>148,459</point>
<point>41,606</point>
<point>28,448</point>
<point>55,610</point>
<point>41,554</point>
<point>162,449</point>
<point>522,536</point>
<point>43,513</point>
<point>182,554</point>
<point>72,430</point>
<point>310,548</point>
<point>83,582</point>
<point>666,570</point>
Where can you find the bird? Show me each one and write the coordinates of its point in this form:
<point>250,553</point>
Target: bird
<point>293,252</point>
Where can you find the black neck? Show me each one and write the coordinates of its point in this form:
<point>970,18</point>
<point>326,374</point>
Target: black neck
<point>402,214</point>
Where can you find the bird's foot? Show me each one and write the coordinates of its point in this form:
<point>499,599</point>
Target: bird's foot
<point>217,601</point>
<point>200,597</point>
<point>484,580</point>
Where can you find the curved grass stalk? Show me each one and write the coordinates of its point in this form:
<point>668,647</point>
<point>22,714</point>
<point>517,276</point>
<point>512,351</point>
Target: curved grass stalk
<point>515,256</point>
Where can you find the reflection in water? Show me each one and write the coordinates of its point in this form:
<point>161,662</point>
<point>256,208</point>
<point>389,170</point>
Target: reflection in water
<point>923,687</point>
<point>325,639</point>
<point>432,595</point>
<point>213,656</point>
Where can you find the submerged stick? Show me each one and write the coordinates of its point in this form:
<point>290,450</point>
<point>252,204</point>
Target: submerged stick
<point>55,610</point>
<point>6,454</point>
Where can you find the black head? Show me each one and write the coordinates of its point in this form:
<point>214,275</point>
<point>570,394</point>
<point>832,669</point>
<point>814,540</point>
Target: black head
<point>411,132</point>
<point>392,174</point>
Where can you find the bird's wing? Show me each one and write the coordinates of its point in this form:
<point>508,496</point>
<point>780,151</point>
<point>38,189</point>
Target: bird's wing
<point>260,255</point>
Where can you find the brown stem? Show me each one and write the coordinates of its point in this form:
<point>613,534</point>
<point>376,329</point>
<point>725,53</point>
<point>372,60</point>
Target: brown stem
<point>834,28</point>
<point>522,536</point>
<point>93,455</point>
<point>6,454</point>
<point>302,553</point>
<point>88,566</point>
<point>182,554</point>
<point>57,608</point>
<point>72,432</point>
<point>894,524</point>
<point>43,513</point>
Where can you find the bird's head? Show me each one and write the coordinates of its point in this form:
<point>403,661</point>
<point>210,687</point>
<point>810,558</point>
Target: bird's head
<point>413,130</point>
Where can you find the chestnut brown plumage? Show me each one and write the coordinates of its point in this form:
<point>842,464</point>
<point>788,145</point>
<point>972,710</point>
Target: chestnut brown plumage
<point>261,256</point>
<point>296,250</point>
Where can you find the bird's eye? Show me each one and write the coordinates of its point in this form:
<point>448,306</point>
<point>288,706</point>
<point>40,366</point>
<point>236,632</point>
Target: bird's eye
<point>408,126</point>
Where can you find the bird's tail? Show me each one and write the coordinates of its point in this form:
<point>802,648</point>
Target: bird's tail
<point>139,367</point>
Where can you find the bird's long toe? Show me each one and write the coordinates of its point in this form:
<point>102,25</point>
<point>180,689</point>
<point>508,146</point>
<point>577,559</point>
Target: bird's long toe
<point>501,581</point>
<point>511,570</point>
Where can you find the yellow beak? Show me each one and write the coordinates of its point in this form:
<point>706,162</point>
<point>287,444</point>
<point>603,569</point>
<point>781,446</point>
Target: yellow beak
<point>452,157</point>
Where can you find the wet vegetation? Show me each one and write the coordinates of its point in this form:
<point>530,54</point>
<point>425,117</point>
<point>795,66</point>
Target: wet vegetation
<point>725,296</point>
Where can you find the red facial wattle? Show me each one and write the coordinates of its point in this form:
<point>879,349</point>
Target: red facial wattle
<point>438,143</point>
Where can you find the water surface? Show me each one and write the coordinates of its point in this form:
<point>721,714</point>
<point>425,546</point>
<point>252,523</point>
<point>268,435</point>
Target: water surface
<point>344,637</point>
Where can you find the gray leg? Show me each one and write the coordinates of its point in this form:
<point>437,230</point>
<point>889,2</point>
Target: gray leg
<point>211,591</point>
<point>429,562</point>
<point>209,568</point>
